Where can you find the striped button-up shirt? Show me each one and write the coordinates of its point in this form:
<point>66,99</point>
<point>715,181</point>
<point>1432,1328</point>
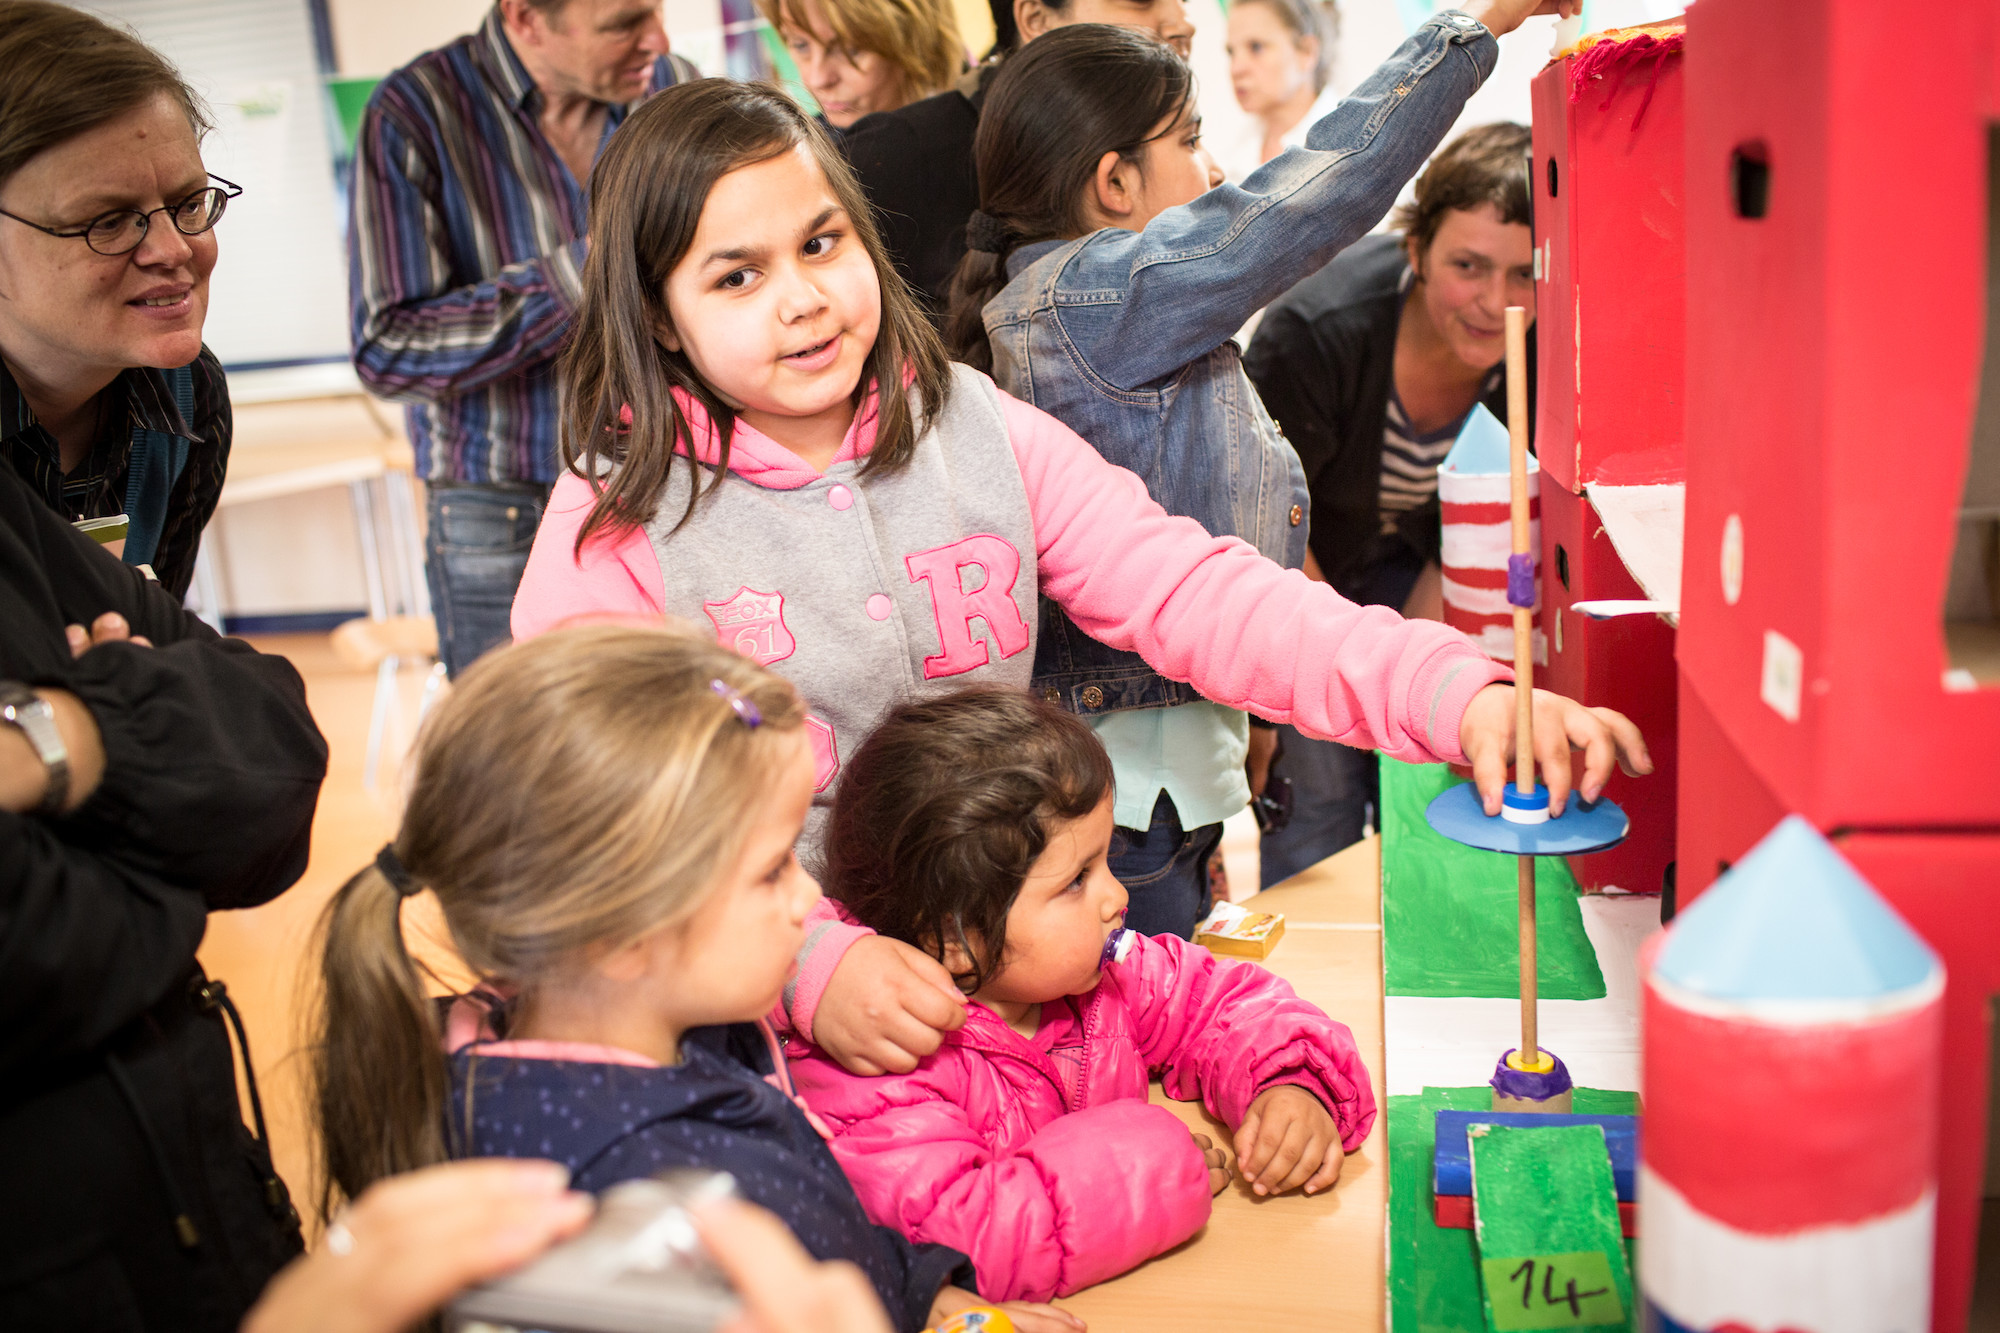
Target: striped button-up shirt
<point>465,256</point>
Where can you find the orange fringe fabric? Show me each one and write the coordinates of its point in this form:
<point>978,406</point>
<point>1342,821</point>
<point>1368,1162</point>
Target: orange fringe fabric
<point>1611,56</point>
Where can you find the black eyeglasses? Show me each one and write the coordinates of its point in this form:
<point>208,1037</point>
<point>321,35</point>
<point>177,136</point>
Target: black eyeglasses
<point>121,232</point>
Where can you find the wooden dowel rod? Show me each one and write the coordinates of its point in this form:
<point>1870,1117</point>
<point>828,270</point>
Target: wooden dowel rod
<point>1524,617</point>
<point>1530,1052</point>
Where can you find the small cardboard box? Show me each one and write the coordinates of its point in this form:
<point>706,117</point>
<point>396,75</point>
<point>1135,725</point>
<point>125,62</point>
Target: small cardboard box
<point>1240,933</point>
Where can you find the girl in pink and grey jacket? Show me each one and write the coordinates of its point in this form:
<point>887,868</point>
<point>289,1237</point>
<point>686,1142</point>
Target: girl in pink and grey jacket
<point>762,435</point>
<point>976,827</point>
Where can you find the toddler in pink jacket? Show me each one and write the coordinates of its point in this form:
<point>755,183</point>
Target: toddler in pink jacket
<point>976,827</point>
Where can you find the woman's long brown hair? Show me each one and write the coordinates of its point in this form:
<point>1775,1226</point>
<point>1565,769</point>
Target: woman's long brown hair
<point>575,791</point>
<point>647,193</point>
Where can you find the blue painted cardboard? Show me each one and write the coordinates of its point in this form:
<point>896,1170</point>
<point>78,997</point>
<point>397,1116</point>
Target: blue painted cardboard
<point>1451,1170</point>
<point>1793,921</point>
<point>1482,445</point>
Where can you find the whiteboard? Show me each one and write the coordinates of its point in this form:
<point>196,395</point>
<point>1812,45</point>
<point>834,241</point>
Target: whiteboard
<point>279,295</point>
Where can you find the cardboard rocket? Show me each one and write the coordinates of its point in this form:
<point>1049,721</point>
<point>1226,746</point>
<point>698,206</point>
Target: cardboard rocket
<point>1473,495</point>
<point>1792,1036</point>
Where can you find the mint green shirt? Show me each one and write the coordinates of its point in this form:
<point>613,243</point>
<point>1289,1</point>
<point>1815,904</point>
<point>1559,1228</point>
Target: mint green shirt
<point>1193,752</point>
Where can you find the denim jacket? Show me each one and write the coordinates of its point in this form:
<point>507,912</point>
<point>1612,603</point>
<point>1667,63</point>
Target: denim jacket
<point>1126,336</point>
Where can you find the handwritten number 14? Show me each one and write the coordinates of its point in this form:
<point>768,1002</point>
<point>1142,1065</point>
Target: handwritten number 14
<point>1569,1296</point>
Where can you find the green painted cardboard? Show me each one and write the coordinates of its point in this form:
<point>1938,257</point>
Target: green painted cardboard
<point>1545,1218</point>
<point>1434,1271</point>
<point>1449,913</point>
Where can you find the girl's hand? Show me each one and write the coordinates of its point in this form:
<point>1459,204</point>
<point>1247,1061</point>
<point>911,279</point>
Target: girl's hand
<point>412,1242</point>
<point>1288,1140</point>
<point>1487,735</point>
<point>1218,1163</point>
<point>1503,16</point>
<point>784,1289</point>
<point>1028,1316</point>
<point>885,1007</point>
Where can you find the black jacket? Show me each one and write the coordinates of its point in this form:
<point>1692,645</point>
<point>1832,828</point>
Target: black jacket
<point>915,164</point>
<point>1322,360</point>
<point>136,1199</point>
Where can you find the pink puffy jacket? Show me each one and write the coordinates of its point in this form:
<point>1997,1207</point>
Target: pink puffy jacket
<point>1042,1159</point>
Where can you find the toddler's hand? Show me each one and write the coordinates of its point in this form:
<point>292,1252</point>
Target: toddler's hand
<point>1218,1163</point>
<point>885,1007</point>
<point>1027,1316</point>
<point>1487,734</point>
<point>1288,1140</point>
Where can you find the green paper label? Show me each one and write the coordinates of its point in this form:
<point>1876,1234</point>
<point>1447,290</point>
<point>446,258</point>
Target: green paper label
<point>1552,1291</point>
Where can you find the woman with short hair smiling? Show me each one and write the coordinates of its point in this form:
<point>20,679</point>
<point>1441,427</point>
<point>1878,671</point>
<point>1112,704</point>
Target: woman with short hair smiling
<point>109,403</point>
<point>1370,367</point>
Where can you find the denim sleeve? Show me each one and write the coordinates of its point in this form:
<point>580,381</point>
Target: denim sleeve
<point>1140,305</point>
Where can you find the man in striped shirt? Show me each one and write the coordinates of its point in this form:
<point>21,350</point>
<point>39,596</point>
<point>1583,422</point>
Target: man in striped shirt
<point>465,260</point>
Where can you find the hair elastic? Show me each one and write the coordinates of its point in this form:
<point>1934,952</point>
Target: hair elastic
<point>745,711</point>
<point>986,233</point>
<point>392,870</point>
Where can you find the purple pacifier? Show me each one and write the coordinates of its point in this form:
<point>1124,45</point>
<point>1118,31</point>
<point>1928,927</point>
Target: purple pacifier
<point>1116,947</point>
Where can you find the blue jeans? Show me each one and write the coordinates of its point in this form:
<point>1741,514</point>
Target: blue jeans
<point>474,554</point>
<point>1332,786</point>
<point>1165,871</point>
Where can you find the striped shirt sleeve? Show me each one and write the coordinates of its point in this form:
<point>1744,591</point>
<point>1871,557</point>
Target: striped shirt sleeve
<point>416,336</point>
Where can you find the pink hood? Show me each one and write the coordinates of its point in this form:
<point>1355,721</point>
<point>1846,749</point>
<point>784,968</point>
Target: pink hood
<point>1042,1159</point>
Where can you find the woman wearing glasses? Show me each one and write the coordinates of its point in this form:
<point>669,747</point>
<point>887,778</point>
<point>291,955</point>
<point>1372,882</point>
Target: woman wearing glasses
<point>150,771</point>
<point>109,403</point>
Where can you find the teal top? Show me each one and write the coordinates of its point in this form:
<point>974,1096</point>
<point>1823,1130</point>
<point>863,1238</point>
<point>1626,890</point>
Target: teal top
<point>1193,752</point>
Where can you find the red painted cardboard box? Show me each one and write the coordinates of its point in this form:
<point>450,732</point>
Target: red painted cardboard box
<point>1627,664</point>
<point>1947,886</point>
<point>1609,311</point>
<point>1832,400</point>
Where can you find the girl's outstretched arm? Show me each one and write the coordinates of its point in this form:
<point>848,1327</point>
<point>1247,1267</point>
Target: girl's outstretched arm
<point>1174,292</point>
<point>1213,612</point>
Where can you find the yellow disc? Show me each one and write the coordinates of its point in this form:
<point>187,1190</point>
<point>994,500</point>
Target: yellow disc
<point>1543,1063</point>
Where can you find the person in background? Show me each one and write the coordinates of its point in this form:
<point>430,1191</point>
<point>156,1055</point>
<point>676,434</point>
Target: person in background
<point>1370,367</point>
<point>1280,63</point>
<point>414,1241</point>
<point>468,234</point>
<point>915,163</point>
<point>857,57</point>
<point>150,772</point>
<point>109,402</point>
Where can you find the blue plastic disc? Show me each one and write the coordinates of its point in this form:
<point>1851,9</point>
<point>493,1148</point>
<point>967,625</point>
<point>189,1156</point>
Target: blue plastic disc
<point>1458,815</point>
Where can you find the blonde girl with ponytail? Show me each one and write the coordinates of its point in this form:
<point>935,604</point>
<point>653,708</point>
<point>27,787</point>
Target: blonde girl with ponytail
<point>606,817</point>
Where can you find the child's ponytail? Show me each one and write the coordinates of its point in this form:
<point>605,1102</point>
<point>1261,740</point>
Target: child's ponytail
<point>379,1064</point>
<point>1053,111</point>
<point>574,791</point>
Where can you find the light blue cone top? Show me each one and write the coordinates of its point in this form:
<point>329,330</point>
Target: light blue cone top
<point>1793,921</point>
<point>1481,447</point>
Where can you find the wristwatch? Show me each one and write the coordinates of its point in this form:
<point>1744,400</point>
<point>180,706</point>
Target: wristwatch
<point>32,715</point>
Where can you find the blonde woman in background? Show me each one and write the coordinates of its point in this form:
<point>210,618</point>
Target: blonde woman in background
<point>1280,64</point>
<point>857,57</point>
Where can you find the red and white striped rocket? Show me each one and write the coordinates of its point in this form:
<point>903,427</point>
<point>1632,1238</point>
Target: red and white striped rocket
<point>1792,1028</point>
<point>1473,492</point>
